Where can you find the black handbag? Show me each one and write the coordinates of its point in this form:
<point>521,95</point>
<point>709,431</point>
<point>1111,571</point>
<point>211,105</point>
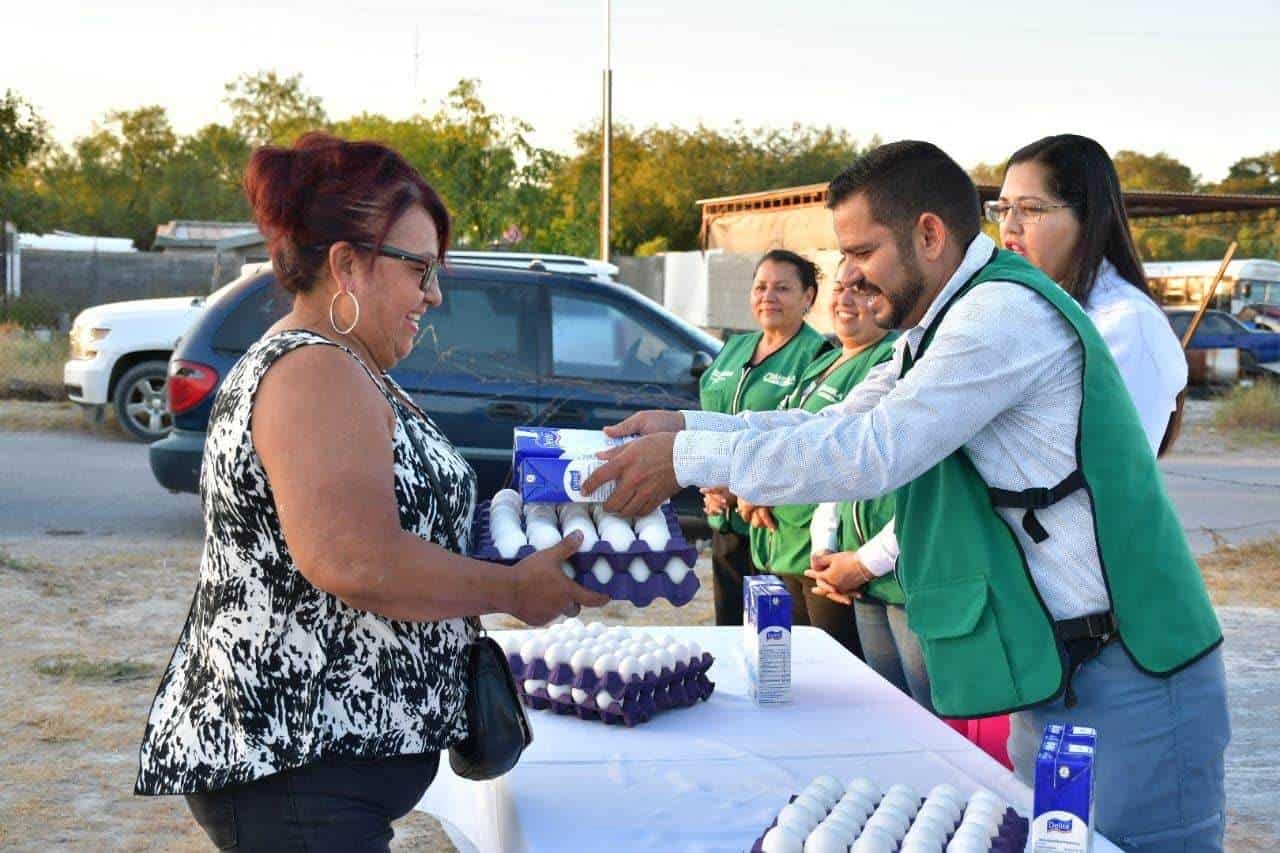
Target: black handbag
<point>498,729</point>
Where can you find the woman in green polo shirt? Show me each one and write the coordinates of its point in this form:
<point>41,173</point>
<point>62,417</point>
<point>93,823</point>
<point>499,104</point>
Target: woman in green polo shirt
<point>784,548</point>
<point>756,372</point>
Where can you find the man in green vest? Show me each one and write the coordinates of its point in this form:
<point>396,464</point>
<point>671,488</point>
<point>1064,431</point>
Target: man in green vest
<point>1044,567</point>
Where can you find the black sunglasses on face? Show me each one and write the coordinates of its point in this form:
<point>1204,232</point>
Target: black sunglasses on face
<point>429,263</point>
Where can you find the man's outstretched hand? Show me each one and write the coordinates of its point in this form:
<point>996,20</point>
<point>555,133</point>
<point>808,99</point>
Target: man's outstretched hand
<point>647,423</point>
<point>642,471</point>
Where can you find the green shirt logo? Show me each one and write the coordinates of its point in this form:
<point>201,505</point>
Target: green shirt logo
<point>779,379</point>
<point>718,376</point>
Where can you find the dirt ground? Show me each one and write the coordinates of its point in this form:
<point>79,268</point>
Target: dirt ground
<point>89,623</point>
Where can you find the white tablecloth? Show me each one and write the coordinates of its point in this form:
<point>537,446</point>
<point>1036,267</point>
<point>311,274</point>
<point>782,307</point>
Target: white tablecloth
<point>711,777</point>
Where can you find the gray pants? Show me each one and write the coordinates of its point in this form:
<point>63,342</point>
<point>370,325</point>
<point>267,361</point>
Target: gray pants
<point>1158,775</point>
<point>891,648</point>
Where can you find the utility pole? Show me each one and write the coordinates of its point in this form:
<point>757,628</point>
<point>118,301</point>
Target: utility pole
<point>606,131</point>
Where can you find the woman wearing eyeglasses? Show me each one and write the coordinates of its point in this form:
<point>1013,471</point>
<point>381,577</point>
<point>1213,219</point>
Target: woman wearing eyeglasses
<point>1060,207</point>
<point>321,669</point>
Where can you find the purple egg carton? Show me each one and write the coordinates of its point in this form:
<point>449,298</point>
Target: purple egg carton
<point>622,586</point>
<point>682,687</point>
<point>1011,837</point>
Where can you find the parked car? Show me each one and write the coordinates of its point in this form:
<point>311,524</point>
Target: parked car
<point>1260,315</point>
<point>1219,330</point>
<point>507,347</point>
<point>120,351</point>
<point>120,358</point>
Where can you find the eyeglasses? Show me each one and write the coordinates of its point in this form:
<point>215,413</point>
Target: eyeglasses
<point>1030,212</point>
<point>430,263</point>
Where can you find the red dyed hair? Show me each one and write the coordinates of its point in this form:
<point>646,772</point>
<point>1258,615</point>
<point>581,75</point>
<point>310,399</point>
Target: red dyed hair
<point>326,190</point>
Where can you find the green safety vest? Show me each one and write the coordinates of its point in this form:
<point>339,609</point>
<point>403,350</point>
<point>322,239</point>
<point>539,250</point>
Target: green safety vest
<point>732,384</point>
<point>861,520</point>
<point>989,642</point>
<point>786,552</point>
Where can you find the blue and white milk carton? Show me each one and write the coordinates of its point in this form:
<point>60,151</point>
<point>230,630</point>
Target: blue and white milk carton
<point>529,442</point>
<point>766,625</point>
<point>1063,818</point>
<point>560,481</point>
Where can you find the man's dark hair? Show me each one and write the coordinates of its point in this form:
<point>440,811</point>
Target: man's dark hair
<point>903,180</point>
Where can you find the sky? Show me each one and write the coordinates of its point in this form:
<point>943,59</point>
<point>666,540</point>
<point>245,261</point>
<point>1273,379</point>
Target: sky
<point>1196,80</point>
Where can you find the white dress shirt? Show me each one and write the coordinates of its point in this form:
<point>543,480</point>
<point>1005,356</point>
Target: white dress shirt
<point>1002,378</point>
<point>1152,365</point>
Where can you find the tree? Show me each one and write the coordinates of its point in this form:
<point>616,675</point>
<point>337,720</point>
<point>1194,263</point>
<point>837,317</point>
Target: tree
<point>1154,172</point>
<point>268,109</point>
<point>988,174</point>
<point>23,133</point>
<point>1258,175</point>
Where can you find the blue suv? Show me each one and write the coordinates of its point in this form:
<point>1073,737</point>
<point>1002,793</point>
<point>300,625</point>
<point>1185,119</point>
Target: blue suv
<point>507,347</point>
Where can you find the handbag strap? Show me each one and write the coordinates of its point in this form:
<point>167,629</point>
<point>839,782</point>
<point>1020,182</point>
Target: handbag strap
<point>451,538</point>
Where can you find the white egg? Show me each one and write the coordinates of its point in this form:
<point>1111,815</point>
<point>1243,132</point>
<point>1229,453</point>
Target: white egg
<point>874,840</point>
<point>543,536</point>
<point>505,496</point>
<point>595,629</point>
<point>856,803</point>
<point>579,696</point>
<point>532,684</point>
<point>555,655</point>
<point>947,812</point>
<point>508,545</point>
<point>533,649</point>
<point>853,812</point>
<point>640,570</point>
<point>665,659</point>
<point>920,845</point>
<point>605,664</point>
<point>983,795</point>
<point>582,659</point>
<point>966,845</point>
<point>602,570</point>
<point>847,828</point>
<point>825,840</point>
<point>822,794</point>
<point>891,818</point>
<point>558,691</point>
<point>695,653</point>
<point>677,570</point>
<point>648,663</point>
<point>866,787</point>
<point>929,834</point>
<point>815,805</point>
<point>900,790</point>
<point>604,699</point>
<point>984,811</point>
<point>780,839</point>
<point>988,826</point>
<point>797,818</point>
<point>939,825</point>
<point>629,668</point>
<point>907,804</point>
<point>948,791</point>
<point>680,654</point>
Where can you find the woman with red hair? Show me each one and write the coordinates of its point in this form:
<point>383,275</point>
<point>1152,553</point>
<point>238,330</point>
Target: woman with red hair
<point>321,669</point>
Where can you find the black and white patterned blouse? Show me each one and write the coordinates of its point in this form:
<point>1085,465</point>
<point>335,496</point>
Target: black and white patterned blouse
<point>272,673</point>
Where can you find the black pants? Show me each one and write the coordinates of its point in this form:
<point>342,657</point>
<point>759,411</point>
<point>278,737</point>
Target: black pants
<point>831,616</point>
<point>730,563</point>
<point>337,804</point>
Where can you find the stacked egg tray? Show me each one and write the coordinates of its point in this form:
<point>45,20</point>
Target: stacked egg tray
<point>827,817</point>
<point>613,675</point>
<point>638,572</point>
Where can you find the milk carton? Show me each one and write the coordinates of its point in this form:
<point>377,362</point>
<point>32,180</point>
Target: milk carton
<point>560,481</point>
<point>529,442</point>
<point>766,625</point>
<point>1063,817</point>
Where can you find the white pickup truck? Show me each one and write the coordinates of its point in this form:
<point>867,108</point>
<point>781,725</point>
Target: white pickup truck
<point>120,357</point>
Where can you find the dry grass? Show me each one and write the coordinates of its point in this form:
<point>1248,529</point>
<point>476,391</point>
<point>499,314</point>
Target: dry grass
<point>26,416</point>
<point>25,357</point>
<point>1255,409</point>
<point>1246,574</point>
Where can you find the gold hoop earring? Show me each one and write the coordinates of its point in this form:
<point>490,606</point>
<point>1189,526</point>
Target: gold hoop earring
<point>333,322</point>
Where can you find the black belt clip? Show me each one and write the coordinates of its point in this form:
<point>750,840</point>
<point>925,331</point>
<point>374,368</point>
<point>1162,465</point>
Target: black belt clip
<point>1084,638</point>
<point>1037,497</point>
